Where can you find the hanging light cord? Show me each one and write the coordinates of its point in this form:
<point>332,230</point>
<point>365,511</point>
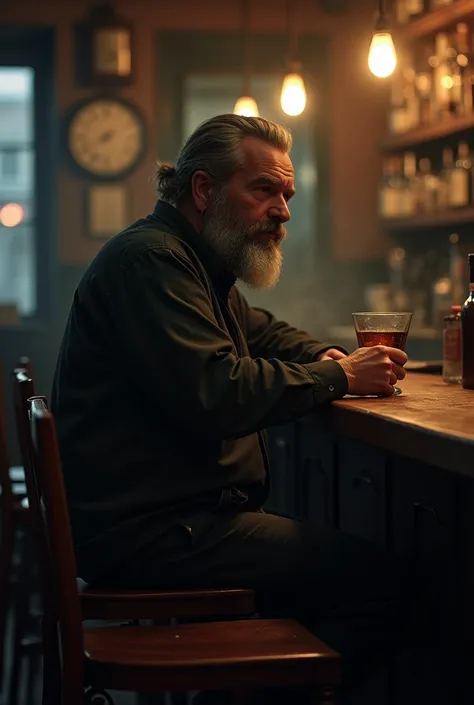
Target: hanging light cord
<point>245,18</point>
<point>292,30</point>
<point>382,21</point>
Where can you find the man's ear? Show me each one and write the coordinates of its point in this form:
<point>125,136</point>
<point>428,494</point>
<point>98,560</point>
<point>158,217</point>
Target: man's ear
<point>201,185</point>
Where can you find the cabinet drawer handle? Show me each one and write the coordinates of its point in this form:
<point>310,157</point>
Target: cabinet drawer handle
<point>419,509</point>
<point>362,480</point>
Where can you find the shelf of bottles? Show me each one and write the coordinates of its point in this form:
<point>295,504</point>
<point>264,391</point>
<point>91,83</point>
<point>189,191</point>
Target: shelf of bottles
<point>420,18</point>
<point>427,192</point>
<point>428,163</point>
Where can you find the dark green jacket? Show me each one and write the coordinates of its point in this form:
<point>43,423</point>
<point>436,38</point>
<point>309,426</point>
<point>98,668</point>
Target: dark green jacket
<point>165,382</point>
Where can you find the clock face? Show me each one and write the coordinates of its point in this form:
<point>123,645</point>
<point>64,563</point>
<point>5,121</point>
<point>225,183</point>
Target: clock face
<point>106,137</point>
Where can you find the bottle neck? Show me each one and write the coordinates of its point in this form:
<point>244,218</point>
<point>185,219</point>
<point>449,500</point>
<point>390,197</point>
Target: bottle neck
<point>471,277</point>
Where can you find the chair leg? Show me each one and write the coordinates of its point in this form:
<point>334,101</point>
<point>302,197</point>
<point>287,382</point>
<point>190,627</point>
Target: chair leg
<point>6,554</point>
<point>51,657</point>
<point>17,658</point>
<point>20,610</point>
<point>33,665</point>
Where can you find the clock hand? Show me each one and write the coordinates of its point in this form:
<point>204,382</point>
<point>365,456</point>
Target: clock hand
<point>106,136</point>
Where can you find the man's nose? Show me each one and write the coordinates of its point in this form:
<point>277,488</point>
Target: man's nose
<point>280,211</point>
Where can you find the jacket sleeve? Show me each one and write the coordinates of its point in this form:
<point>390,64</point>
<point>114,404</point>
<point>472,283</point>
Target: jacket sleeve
<point>268,337</point>
<point>173,349</point>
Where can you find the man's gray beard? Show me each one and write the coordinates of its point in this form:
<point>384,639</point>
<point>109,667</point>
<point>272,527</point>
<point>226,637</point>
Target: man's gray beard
<point>256,264</point>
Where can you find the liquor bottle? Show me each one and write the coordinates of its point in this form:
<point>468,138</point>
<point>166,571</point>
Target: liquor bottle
<point>457,93</point>
<point>401,185</point>
<point>453,78</point>
<point>452,346</point>
<point>398,122</point>
<point>415,8</point>
<point>401,12</point>
<point>461,175</point>
<point>467,327</point>
<point>411,97</point>
<point>411,193</point>
<point>445,179</point>
<point>464,62</point>
<point>456,270</point>
<point>443,80</point>
<point>428,187</point>
<point>388,194</point>
<point>424,86</point>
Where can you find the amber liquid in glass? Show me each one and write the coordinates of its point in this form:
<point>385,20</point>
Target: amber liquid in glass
<point>391,338</point>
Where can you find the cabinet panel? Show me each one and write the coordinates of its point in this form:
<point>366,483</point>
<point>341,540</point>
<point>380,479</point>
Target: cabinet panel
<point>361,490</point>
<point>281,453</point>
<point>315,473</point>
<point>466,589</point>
<point>423,531</point>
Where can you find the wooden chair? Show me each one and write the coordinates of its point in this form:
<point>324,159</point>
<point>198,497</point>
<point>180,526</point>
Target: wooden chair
<point>15,576</point>
<point>236,655</point>
<point>113,604</point>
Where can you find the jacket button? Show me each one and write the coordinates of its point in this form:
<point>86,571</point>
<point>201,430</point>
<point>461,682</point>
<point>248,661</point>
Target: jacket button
<point>331,387</point>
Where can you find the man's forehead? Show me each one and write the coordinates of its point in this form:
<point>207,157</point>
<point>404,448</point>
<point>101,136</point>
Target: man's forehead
<point>259,154</point>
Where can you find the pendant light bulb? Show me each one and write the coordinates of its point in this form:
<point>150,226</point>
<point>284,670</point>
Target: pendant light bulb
<point>246,106</point>
<point>293,94</point>
<point>382,55</point>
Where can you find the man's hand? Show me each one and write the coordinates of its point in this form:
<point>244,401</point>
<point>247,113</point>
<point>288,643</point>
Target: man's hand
<point>374,370</point>
<point>331,354</point>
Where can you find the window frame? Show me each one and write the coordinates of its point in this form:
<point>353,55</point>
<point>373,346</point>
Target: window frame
<point>12,173</point>
<point>34,48</point>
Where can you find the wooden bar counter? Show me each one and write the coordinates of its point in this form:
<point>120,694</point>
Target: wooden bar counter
<point>400,472</point>
<point>430,421</point>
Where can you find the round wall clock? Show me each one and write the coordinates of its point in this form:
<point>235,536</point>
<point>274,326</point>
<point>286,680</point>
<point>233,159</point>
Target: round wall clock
<point>105,137</point>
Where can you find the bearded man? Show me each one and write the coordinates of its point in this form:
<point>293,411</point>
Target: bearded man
<point>167,379</point>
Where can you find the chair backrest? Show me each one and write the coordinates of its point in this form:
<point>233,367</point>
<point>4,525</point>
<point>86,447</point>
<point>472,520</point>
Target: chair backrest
<point>6,524</point>
<point>6,498</point>
<point>23,390</point>
<point>24,363</point>
<point>59,575</point>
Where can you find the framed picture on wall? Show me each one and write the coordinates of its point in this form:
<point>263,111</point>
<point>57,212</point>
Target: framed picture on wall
<point>107,210</point>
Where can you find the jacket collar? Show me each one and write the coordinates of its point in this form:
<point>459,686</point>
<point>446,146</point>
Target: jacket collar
<point>182,228</point>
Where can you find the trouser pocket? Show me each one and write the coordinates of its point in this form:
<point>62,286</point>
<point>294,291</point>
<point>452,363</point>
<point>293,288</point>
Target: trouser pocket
<point>186,535</point>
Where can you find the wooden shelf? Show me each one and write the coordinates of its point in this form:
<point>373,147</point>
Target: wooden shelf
<point>428,133</point>
<point>438,20</point>
<point>444,219</point>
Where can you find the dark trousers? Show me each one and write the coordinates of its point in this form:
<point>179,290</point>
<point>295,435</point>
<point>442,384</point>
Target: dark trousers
<point>349,592</point>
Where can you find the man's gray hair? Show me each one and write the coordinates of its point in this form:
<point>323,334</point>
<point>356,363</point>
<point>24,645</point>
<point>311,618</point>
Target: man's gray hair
<point>214,147</point>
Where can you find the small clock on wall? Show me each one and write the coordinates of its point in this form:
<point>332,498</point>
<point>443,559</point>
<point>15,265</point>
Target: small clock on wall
<point>105,138</point>
<point>103,48</point>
